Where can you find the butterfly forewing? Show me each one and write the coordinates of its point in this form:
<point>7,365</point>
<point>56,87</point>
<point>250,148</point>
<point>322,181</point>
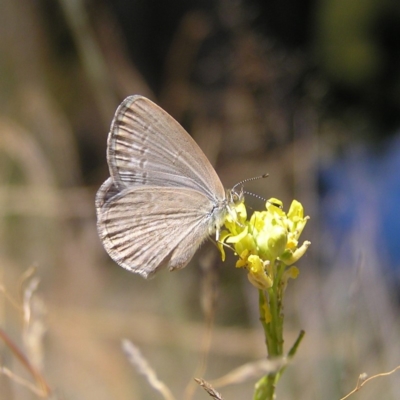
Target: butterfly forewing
<point>146,146</point>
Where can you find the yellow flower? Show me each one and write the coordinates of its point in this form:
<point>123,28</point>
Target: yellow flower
<point>269,239</point>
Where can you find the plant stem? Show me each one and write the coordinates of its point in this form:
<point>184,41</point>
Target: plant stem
<point>265,388</point>
<point>271,301</point>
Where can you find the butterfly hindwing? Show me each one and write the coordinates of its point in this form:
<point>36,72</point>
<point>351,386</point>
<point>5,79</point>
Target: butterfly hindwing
<point>145,228</point>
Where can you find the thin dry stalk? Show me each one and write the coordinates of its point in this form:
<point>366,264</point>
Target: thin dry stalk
<point>136,358</point>
<point>362,380</point>
<point>209,389</point>
<point>250,371</point>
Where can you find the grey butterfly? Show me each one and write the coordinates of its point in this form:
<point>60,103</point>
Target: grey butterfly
<point>163,198</point>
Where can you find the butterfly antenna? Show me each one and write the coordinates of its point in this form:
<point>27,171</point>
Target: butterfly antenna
<point>249,180</point>
<point>255,195</point>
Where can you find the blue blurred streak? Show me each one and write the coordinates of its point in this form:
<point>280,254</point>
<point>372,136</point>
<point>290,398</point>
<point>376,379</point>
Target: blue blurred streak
<point>360,194</point>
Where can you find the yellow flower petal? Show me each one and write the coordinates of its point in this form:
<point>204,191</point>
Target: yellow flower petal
<point>238,237</point>
<point>220,244</point>
<point>257,274</point>
<point>291,257</point>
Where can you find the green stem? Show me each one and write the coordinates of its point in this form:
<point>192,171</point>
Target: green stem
<point>262,303</point>
<point>274,349</point>
<point>296,344</point>
<point>265,388</point>
<point>273,300</point>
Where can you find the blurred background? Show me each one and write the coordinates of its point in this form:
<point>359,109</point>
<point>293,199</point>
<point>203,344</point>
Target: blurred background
<point>308,92</point>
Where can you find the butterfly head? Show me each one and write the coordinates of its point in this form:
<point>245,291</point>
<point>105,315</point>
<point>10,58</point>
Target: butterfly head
<point>235,196</point>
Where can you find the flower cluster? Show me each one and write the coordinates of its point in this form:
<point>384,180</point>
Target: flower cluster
<point>267,244</point>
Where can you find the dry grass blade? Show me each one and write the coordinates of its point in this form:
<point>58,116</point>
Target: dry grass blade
<point>362,380</point>
<point>34,327</point>
<point>208,300</point>
<point>9,298</point>
<point>28,285</point>
<point>136,358</point>
<point>32,336</point>
<point>253,370</point>
<point>209,389</point>
<point>23,382</point>
<point>43,388</point>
